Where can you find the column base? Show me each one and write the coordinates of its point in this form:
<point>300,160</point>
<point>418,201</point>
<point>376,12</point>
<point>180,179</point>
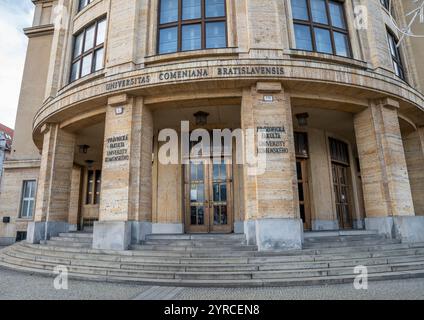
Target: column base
<point>110,235</point>
<point>238,227</point>
<point>279,234</point>
<point>167,228</point>
<point>358,224</point>
<point>139,231</point>
<point>73,228</point>
<point>7,241</point>
<point>383,225</point>
<point>408,228</point>
<point>250,232</point>
<point>325,225</point>
<point>36,230</point>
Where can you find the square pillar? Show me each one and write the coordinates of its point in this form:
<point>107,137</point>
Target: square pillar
<point>54,185</point>
<point>74,201</point>
<point>387,193</point>
<point>272,215</point>
<point>414,153</point>
<point>125,205</point>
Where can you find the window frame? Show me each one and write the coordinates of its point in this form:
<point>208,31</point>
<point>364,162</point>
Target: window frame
<point>304,134</point>
<point>27,199</point>
<point>332,29</point>
<point>91,51</point>
<point>342,148</point>
<point>203,20</point>
<point>81,7</point>
<point>396,60</point>
<point>386,4</point>
<point>93,191</point>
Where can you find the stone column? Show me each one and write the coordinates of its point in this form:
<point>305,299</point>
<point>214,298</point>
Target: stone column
<point>141,172</point>
<point>271,196</point>
<point>387,193</point>
<point>54,185</point>
<point>414,152</point>
<point>125,204</point>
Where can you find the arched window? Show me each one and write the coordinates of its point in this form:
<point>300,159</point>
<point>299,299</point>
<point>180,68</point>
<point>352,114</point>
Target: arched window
<point>186,25</point>
<point>320,25</point>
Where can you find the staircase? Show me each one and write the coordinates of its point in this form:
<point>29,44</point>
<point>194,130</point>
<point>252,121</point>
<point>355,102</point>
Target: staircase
<point>71,240</point>
<point>222,260</point>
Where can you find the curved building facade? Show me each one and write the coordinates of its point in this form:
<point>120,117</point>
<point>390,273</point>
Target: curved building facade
<point>321,100</point>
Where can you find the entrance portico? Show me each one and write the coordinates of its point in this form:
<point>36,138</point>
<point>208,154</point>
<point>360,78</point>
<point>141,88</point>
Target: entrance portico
<point>309,177</point>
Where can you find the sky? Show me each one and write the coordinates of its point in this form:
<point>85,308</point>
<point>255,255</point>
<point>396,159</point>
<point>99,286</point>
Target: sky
<point>14,16</point>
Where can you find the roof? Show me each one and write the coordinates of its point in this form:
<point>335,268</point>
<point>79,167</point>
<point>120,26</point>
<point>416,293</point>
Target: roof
<point>8,134</point>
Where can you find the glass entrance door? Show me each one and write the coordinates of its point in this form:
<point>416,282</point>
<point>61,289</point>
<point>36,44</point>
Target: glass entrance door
<point>208,197</point>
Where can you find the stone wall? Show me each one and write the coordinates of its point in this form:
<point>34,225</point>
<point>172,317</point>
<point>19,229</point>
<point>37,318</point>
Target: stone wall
<point>10,198</point>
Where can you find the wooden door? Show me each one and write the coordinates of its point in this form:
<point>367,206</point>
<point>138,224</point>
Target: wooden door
<point>342,195</point>
<point>303,189</point>
<point>208,197</point>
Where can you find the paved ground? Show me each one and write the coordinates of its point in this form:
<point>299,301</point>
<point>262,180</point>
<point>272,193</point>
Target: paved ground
<point>21,286</point>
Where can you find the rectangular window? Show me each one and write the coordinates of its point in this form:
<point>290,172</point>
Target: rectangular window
<point>301,144</point>
<point>396,56</point>
<point>88,51</point>
<point>83,4</point>
<point>320,26</point>
<point>339,151</point>
<point>28,199</point>
<point>94,181</point>
<point>21,236</point>
<point>186,25</point>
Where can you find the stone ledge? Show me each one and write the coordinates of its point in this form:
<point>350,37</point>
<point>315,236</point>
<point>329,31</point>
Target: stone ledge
<point>148,78</point>
<point>21,164</point>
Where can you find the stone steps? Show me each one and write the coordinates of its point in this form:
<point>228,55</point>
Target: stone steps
<point>214,237</point>
<point>278,276</point>
<point>220,260</point>
<point>201,249</point>
<point>73,239</point>
<point>342,239</point>
<point>76,235</point>
<point>62,243</point>
<point>259,265</point>
<point>339,233</point>
<point>269,270</point>
<point>395,250</point>
<point>228,283</point>
<point>194,243</point>
<point>356,243</point>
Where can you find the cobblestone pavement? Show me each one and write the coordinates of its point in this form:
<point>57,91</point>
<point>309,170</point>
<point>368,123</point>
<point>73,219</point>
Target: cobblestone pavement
<point>412,289</point>
<point>22,286</point>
